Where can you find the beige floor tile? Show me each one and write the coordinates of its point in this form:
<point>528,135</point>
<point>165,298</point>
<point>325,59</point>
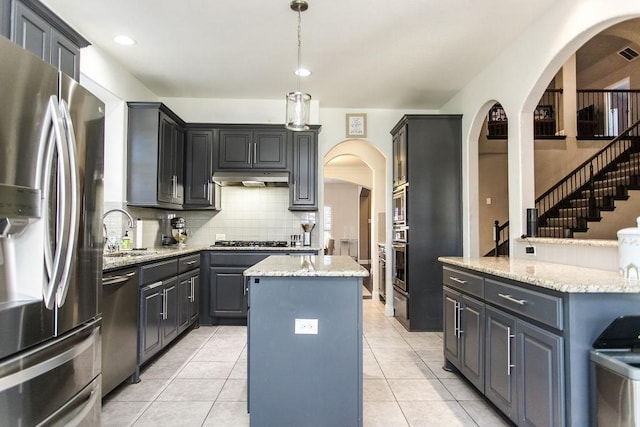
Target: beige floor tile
<point>192,390</point>
<point>234,391</point>
<point>383,414</point>
<point>415,369</point>
<point>161,369</point>
<point>371,370</point>
<point>197,370</point>
<point>436,414</point>
<point>460,389</point>
<point>228,414</point>
<point>436,368</point>
<point>121,414</point>
<point>239,370</point>
<point>418,390</point>
<point>171,414</point>
<point>144,391</point>
<point>483,413</point>
<point>211,352</point>
<point>376,391</point>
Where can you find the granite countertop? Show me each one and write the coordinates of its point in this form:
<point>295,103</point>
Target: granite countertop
<point>265,248</point>
<point>133,257</point>
<point>307,266</point>
<point>559,277</point>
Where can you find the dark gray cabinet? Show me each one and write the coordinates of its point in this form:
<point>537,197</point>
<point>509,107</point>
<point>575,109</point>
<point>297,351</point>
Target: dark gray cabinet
<point>188,289</point>
<point>155,156</point>
<point>433,210</point>
<point>158,317</point>
<point>252,149</point>
<point>200,190</point>
<point>5,18</point>
<point>303,186</point>
<point>400,156</point>
<point>464,335</point>
<point>41,32</point>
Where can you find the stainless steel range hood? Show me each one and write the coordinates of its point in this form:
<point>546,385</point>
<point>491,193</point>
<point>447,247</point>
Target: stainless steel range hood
<point>252,178</point>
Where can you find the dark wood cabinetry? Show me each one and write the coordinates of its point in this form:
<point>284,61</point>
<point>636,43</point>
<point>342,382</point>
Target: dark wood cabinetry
<point>400,157</point>
<point>38,30</point>
<point>200,191</point>
<point>433,209</point>
<point>155,156</point>
<point>252,149</point>
<point>303,184</point>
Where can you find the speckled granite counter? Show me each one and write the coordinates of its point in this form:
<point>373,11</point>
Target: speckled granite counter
<point>266,248</point>
<point>129,258</point>
<point>307,266</point>
<point>559,277</point>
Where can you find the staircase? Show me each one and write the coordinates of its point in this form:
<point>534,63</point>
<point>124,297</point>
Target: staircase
<point>593,187</point>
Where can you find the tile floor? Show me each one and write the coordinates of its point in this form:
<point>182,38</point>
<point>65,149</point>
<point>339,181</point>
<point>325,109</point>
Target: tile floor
<point>201,381</point>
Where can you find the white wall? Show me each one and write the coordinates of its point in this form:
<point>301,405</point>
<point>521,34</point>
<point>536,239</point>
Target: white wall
<point>517,78</point>
<point>344,200</point>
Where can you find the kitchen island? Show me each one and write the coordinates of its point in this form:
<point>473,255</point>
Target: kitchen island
<point>521,330</point>
<point>305,341</point>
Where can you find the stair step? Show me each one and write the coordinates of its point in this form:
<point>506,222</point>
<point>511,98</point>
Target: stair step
<point>601,203</point>
<point>612,182</point>
<point>557,232</point>
<point>606,191</point>
<point>566,222</point>
<point>630,171</point>
<point>582,211</point>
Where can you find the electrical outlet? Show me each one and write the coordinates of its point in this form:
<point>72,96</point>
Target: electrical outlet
<point>220,236</point>
<point>306,326</point>
<point>530,250</point>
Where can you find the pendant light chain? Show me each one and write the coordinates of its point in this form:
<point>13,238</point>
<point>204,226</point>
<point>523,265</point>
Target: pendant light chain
<point>299,50</point>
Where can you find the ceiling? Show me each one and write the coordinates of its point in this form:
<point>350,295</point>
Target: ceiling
<point>363,53</point>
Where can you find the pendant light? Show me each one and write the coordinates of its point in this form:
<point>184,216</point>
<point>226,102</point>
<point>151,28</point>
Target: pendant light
<point>298,103</point>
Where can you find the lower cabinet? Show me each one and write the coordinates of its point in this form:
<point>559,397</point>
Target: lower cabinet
<point>518,365</point>
<point>169,302</point>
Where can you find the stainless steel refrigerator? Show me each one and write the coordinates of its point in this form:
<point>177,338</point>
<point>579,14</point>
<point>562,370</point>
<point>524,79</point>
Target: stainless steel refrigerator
<point>51,167</point>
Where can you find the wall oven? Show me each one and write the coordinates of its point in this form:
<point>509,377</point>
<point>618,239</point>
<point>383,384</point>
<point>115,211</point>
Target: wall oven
<point>400,206</point>
<point>399,266</point>
<point>382,272</point>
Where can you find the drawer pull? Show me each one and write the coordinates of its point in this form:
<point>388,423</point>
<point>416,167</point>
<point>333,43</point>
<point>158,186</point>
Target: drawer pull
<point>509,364</point>
<point>455,279</point>
<point>512,299</point>
<point>190,262</point>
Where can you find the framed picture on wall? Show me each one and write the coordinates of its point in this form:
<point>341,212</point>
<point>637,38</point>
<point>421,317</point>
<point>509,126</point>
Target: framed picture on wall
<point>356,125</point>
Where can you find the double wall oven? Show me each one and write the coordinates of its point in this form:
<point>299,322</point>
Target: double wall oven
<point>399,255</point>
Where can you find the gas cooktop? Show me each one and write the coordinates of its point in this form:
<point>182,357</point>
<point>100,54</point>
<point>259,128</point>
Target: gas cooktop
<point>250,243</point>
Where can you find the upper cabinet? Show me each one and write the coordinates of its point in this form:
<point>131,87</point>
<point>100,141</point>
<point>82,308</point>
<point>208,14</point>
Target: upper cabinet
<point>400,156</point>
<point>200,191</point>
<point>38,30</point>
<point>155,156</point>
<point>303,181</point>
<point>252,148</point>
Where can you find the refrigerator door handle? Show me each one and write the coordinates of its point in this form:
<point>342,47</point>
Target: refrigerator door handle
<point>74,207</point>
<point>56,143</point>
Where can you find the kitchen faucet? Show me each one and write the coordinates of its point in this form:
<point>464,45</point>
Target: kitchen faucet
<point>132,224</point>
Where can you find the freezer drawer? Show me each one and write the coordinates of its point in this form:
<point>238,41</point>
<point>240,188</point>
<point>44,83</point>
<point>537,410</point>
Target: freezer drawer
<point>37,384</point>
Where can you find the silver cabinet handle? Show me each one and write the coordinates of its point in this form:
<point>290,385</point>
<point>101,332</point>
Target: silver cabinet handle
<point>455,315</point>
<point>164,304</point>
<point>455,279</point>
<point>192,297</point>
<point>114,280</point>
<point>190,262</point>
<point>512,299</point>
<point>460,331</point>
<point>255,153</point>
<point>509,364</point>
<point>152,286</point>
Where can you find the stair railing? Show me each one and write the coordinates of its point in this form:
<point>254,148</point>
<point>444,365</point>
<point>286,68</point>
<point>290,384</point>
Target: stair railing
<point>500,238</point>
<point>601,113</point>
<point>582,177</point>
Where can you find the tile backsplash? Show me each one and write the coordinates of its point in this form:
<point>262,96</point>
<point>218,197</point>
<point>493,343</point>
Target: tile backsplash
<point>246,214</point>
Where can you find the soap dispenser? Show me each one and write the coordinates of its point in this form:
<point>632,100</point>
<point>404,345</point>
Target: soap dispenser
<point>126,241</point>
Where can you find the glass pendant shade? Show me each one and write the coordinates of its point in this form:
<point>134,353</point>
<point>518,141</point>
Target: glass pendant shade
<point>298,106</point>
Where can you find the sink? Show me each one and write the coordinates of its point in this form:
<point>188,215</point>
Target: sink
<point>127,254</point>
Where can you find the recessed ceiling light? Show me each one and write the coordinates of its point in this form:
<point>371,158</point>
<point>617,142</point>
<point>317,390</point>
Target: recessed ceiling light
<point>124,40</point>
<point>302,72</point>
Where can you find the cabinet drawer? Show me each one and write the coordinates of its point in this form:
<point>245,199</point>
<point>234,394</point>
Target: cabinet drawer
<point>237,259</point>
<point>188,263</point>
<point>463,281</point>
<point>158,271</point>
<point>535,305</point>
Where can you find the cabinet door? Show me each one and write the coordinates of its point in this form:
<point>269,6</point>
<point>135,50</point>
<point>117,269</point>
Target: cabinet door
<point>170,311</point>
<point>199,188</point>
<point>167,180</point>
<point>500,376</point>
<point>195,297</point>
<point>540,377</point>
<point>400,157</point>
<point>65,55</point>
<point>228,297</point>
<point>31,32</point>
<point>184,299</point>
<point>178,163</point>
<point>450,325</point>
<point>304,184</point>
<point>472,340</point>
<point>151,303</point>
<point>234,149</point>
<point>269,150</point>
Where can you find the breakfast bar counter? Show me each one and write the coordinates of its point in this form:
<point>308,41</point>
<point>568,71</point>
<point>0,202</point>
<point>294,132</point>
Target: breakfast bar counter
<point>305,341</point>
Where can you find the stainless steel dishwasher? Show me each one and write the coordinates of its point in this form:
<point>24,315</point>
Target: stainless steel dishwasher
<point>119,327</point>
